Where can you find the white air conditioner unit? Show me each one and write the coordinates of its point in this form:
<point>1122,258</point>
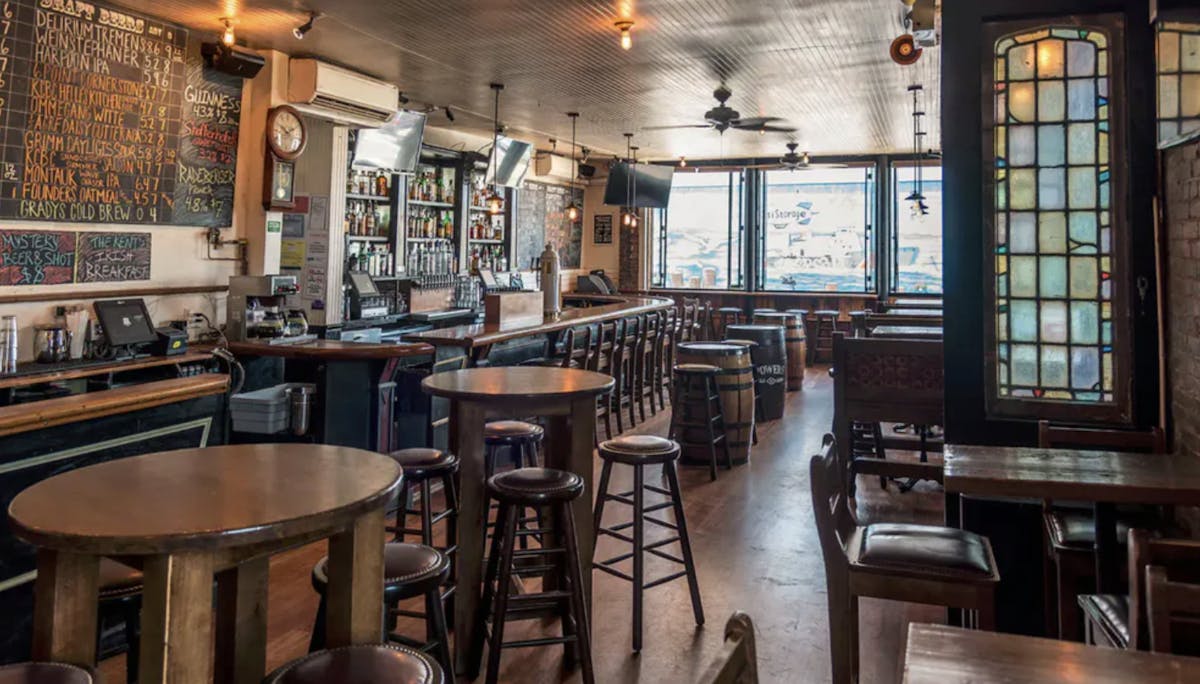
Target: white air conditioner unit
<point>546,164</point>
<point>926,19</point>
<point>331,92</point>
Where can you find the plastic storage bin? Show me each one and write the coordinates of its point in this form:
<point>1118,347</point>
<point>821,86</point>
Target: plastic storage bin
<point>265,411</point>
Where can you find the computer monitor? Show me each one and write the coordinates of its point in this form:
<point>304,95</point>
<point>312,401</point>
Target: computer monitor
<point>126,322</point>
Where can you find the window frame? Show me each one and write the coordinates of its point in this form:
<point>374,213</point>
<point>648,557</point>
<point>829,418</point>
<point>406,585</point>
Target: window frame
<point>895,198</point>
<point>1180,28</point>
<point>1121,409</point>
<point>735,232</point>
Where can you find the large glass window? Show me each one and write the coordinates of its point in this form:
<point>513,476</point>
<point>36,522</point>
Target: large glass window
<point>699,241</point>
<point>1054,229</point>
<point>816,230</point>
<point>917,229</point>
<point>1178,79</point>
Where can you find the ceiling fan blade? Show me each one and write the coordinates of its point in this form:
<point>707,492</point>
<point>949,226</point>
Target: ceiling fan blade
<point>770,129</point>
<point>668,128</point>
<point>754,121</point>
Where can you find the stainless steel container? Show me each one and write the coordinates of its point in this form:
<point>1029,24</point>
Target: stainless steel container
<point>301,403</point>
<point>9,345</point>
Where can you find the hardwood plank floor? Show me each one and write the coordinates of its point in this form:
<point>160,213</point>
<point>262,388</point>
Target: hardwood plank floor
<point>756,550</point>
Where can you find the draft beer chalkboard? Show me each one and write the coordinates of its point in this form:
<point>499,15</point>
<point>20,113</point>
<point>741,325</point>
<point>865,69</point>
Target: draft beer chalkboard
<point>107,116</point>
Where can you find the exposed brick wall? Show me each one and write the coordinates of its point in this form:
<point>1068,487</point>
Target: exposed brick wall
<point>1182,209</point>
<point>629,239</point>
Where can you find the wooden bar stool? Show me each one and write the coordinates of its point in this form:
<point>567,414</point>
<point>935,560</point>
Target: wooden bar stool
<point>726,315</point>
<point>421,468</point>
<point>515,491</point>
<point>827,320</point>
<point>666,356</point>
<point>519,437</point>
<point>640,451</point>
<point>121,597</point>
<point>645,359</point>
<point>47,673</point>
<point>607,360</point>
<point>364,664</point>
<point>409,571</point>
<point>696,415</point>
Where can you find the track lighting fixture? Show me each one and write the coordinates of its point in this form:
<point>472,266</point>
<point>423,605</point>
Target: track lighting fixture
<point>302,30</point>
<point>228,38</point>
<point>624,26</point>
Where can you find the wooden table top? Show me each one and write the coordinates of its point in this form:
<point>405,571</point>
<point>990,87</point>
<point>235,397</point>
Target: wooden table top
<point>483,334</point>
<point>1072,474</point>
<point>332,350</point>
<point>215,497</point>
<point>914,332</point>
<point>517,382</point>
<point>937,654</point>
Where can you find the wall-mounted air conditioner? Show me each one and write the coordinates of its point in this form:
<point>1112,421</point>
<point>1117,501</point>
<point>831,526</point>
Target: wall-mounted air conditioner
<point>340,95</point>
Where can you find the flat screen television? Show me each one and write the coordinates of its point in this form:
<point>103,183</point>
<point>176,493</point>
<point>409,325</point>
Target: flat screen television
<point>641,185</point>
<point>394,146</point>
<point>511,163</point>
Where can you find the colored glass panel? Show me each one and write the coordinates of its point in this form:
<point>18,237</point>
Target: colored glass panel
<point>1053,239</point>
<point>1178,79</point>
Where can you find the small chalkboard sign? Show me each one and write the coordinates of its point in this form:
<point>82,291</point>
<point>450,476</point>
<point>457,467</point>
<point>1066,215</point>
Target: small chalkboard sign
<point>112,257</point>
<point>30,257</point>
<point>602,229</point>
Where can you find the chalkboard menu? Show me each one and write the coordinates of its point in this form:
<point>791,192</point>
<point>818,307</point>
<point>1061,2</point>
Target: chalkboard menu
<point>52,257</point>
<point>107,116</point>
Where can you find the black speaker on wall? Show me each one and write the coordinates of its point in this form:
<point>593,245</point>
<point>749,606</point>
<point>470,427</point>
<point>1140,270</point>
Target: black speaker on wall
<point>586,171</point>
<point>232,60</point>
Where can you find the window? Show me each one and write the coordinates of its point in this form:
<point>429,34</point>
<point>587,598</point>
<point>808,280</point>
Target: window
<point>916,230</point>
<point>699,242</point>
<point>1178,80</point>
<point>816,230</point>
<point>1054,232</point>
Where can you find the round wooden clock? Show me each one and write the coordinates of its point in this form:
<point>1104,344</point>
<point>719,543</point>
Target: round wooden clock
<point>286,134</point>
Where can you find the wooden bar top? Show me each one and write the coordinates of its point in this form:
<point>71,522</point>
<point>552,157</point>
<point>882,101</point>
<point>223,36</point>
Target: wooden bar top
<point>605,308</point>
<point>937,654</point>
<point>59,375</point>
<point>37,415</point>
<point>332,350</point>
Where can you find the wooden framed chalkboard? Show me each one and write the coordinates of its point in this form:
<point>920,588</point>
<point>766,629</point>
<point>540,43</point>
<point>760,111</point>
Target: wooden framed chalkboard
<point>55,257</point>
<point>107,116</point>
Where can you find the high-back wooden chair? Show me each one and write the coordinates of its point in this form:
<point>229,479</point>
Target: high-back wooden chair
<point>605,359</point>
<point>1172,611</point>
<point>737,663</point>
<point>1069,529</point>
<point>885,381</point>
<point>900,562</point>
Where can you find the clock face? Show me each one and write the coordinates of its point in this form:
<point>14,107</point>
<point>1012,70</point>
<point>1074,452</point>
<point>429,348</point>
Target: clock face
<point>287,133</point>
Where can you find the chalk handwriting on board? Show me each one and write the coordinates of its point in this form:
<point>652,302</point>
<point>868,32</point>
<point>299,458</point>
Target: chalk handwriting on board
<point>112,257</point>
<point>111,117</point>
<point>36,257</point>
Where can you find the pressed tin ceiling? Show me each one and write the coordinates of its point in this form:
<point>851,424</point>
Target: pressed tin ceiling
<point>821,64</point>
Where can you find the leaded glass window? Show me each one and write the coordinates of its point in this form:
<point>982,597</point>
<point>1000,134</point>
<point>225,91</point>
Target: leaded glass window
<point>1052,230</point>
<point>1178,80</point>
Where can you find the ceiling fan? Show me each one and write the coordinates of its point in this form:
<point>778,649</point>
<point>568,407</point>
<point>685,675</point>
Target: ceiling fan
<point>723,117</point>
<point>793,161</point>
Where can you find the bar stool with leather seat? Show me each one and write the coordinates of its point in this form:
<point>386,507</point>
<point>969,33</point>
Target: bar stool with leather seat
<point>46,673</point>
<point>363,664</point>
<point>697,419</point>
<point>515,491</point>
<point>725,316</point>
<point>900,562</point>
<point>422,467</point>
<point>409,571</point>
<point>640,451</point>
<point>121,597</point>
<point>519,437</point>
<point>827,321</point>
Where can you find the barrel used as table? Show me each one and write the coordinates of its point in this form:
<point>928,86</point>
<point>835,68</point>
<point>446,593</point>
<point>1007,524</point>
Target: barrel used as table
<point>796,342</point>
<point>735,383</point>
<point>769,355</point>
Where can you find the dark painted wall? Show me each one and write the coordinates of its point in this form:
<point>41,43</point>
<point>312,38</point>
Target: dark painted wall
<point>963,176</point>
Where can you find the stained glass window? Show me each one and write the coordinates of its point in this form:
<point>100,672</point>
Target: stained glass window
<point>1053,225</point>
<point>1178,79</point>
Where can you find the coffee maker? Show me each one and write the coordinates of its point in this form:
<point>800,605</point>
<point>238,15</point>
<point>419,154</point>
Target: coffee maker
<point>265,309</point>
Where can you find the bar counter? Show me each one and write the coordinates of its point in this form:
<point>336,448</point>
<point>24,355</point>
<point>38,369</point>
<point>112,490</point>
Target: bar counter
<point>332,350</point>
<point>603,308</point>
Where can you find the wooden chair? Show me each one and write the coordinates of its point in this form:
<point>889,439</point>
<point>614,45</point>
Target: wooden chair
<point>886,381</point>
<point>737,663</point>
<point>626,372</point>
<point>1172,607</point>
<point>900,562</point>
<point>1069,566</point>
<point>666,355</point>
<point>605,359</point>
<point>646,367</point>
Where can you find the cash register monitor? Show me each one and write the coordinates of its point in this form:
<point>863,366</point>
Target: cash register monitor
<point>363,285</point>
<point>126,322</point>
<point>596,282</point>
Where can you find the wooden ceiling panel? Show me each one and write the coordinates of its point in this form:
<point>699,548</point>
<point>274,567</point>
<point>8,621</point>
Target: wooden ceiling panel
<point>820,64</point>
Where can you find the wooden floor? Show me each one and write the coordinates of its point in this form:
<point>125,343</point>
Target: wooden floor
<point>756,551</point>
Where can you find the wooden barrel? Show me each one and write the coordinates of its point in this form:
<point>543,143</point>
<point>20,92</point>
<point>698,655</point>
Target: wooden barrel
<point>797,344</point>
<point>735,384</point>
<point>769,356</point>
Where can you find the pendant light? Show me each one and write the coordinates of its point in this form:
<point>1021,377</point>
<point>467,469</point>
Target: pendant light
<point>572,208</point>
<point>917,196</point>
<point>633,214</point>
<point>494,202</point>
<point>626,214</point>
